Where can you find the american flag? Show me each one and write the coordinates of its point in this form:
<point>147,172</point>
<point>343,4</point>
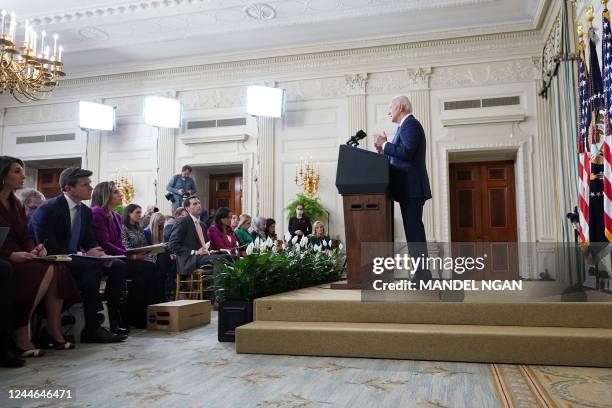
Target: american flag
<point>606,50</point>
<point>584,165</point>
<point>597,102</point>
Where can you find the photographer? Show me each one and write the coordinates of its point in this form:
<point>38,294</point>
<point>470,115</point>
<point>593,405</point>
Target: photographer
<point>180,187</point>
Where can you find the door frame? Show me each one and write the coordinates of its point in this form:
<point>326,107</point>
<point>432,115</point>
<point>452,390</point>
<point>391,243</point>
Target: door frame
<point>522,146</point>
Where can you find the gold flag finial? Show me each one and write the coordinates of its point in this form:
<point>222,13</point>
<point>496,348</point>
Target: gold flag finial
<point>580,31</point>
<point>590,15</point>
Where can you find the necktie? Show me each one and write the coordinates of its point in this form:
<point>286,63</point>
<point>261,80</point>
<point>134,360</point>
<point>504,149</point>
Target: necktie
<point>200,233</point>
<point>75,234</point>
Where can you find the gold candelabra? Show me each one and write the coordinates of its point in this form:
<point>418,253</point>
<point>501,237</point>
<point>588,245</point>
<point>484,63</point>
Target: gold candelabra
<point>25,74</point>
<point>126,188</point>
<point>307,175</point>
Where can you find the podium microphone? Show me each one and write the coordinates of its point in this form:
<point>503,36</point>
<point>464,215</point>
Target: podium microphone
<point>354,140</point>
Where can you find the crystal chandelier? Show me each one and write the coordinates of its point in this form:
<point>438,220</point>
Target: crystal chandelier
<point>26,75</point>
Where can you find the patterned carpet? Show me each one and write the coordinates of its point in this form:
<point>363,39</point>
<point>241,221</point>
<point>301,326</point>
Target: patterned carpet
<point>191,369</point>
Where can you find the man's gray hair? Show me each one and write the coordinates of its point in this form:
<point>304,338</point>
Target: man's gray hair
<point>404,101</point>
<point>27,194</point>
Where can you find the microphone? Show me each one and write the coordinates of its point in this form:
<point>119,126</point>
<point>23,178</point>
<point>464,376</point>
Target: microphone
<point>354,140</point>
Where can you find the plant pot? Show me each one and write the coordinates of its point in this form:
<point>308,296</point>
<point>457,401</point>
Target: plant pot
<point>231,315</point>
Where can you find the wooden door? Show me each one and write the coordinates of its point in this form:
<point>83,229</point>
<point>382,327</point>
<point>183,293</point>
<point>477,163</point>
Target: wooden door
<point>48,182</point>
<point>483,216</point>
<point>226,191</point>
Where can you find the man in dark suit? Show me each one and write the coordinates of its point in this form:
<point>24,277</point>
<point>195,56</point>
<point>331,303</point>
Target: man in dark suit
<point>409,179</point>
<point>188,239</point>
<point>64,225</point>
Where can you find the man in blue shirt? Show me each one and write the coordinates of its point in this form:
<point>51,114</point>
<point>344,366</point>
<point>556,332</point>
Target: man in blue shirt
<point>181,186</point>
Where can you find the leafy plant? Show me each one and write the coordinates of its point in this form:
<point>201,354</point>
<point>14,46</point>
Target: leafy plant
<point>266,272</point>
<point>312,207</point>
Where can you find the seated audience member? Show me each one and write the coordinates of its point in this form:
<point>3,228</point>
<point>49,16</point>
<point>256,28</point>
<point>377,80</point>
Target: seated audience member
<point>154,232</point>
<point>35,281</point>
<point>64,224</point>
<point>188,240</point>
<point>169,221</point>
<point>242,231</point>
<point>221,234</point>
<point>271,229</point>
<point>146,218</point>
<point>108,229</point>
<point>234,223</point>
<point>317,237</point>
<point>31,200</point>
<point>179,213</point>
<point>258,228</point>
<point>300,224</point>
<point>8,358</point>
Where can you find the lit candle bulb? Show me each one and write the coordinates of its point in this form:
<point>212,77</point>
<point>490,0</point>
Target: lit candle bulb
<point>42,41</point>
<point>55,45</point>
<point>13,25</point>
<point>3,12</point>
<point>59,56</point>
<point>46,53</point>
<point>26,40</point>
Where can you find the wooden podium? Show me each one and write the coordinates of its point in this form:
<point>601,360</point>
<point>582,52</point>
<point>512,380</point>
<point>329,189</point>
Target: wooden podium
<point>362,178</point>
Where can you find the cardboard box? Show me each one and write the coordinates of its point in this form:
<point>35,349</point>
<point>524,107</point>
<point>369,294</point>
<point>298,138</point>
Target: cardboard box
<point>178,315</point>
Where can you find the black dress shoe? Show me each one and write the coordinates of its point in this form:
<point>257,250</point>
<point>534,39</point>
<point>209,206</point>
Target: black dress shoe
<point>100,335</point>
<point>9,359</point>
<point>115,328</point>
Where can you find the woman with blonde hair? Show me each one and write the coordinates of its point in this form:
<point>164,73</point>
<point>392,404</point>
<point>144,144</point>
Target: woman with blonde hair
<point>109,231</point>
<point>318,234</point>
<point>155,231</point>
<point>242,230</point>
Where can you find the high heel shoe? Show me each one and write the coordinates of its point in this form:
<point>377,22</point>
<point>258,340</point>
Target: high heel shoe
<point>49,342</point>
<point>30,353</point>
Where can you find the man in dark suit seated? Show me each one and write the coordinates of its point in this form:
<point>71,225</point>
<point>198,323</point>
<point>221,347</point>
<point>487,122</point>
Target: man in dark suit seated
<point>409,179</point>
<point>64,225</point>
<point>188,240</point>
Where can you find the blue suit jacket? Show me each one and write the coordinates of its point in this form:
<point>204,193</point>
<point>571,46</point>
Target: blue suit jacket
<point>409,179</point>
<point>50,224</point>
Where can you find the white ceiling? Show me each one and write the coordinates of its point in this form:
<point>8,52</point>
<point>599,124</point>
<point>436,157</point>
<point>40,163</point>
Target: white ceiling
<point>115,36</point>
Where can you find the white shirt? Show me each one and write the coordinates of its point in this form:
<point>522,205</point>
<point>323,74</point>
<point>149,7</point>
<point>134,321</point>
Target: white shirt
<point>400,125</point>
<point>194,218</point>
<point>71,209</point>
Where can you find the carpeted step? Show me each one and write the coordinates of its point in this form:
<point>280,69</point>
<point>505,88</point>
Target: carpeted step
<point>315,304</point>
<point>470,343</point>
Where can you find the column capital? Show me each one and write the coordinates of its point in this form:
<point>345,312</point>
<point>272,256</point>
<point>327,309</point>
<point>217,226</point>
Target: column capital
<point>355,84</point>
<point>418,78</point>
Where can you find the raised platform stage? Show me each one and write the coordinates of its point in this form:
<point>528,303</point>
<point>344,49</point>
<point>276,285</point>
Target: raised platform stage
<point>324,322</point>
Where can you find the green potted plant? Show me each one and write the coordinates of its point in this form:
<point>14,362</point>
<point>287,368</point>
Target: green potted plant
<point>264,271</point>
<point>312,207</point>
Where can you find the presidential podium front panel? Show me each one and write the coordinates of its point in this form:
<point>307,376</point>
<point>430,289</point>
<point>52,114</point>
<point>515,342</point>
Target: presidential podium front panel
<point>362,178</point>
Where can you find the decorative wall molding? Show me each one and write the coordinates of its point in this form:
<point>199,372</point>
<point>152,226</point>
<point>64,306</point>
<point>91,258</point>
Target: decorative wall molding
<point>356,84</point>
<point>329,63</point>
<point>195,140</point>
<point>492,73</point>
<point>228,97</point>
<point>479,120</point>
<point>320,88</point>
<point>31,114</point>
<point>419,78</point>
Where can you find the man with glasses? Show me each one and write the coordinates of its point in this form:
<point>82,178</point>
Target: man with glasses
<point>31,200</point>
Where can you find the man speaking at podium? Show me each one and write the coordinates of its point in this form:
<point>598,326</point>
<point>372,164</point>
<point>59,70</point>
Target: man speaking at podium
<point>409,180</point>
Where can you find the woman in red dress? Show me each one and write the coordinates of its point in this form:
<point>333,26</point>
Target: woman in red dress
<point>36,281</point>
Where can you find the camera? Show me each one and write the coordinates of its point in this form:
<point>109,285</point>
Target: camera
<point>169,197</point>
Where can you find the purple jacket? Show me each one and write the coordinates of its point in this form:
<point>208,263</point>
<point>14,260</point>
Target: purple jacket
<point>107,232</point>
